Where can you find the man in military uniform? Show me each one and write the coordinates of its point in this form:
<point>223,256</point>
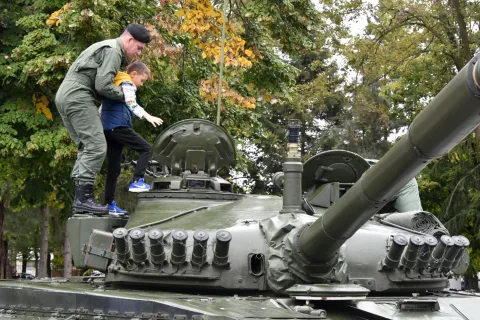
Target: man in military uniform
<point>88,79</point>
<point>407,199</point>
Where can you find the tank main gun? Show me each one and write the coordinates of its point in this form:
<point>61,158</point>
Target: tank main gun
<point>450,116</point>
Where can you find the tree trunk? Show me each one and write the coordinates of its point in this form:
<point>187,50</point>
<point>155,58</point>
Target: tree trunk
<point>3,251</point>
<point>10,271</point>
<point>35,251</point>
<point>8,266</point>
<point>24,261</point>
<point>67,257</point>
<point>471,281</point>
<point>462,30</point>
<point>49,265</point>
<point>42,267</point>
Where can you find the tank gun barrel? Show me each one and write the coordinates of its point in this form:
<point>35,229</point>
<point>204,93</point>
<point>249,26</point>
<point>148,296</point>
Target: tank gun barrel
<point>449,117</point>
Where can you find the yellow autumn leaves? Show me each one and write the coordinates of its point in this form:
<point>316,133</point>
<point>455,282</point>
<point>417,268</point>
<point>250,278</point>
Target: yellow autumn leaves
<point>53,202</point>
<point>209,92</point>
<point>41,105</point>
<point>203,23</point>
<point>235,54</point>
<point>56,18</point>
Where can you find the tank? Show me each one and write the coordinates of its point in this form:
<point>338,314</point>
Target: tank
<point>194,249</point>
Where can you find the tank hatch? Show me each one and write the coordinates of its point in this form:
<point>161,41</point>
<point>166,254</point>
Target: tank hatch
<point>328,175</point>
<point>194,146</point>
<point>333,166</point>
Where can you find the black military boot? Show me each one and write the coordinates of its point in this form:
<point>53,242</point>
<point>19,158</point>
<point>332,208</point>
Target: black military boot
<point>85,201</point>
<point>76,190</point>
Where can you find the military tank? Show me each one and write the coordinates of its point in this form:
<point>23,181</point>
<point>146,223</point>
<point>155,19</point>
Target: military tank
<point>194,249</point>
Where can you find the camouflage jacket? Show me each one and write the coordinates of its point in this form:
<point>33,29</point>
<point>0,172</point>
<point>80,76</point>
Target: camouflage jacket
<point>96,67</point>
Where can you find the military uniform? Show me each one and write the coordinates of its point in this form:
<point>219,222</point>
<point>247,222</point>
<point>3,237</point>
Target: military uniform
<point>407,199</point>
<point>88,79</point>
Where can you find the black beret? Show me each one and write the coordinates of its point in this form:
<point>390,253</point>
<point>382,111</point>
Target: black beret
<point>139,32</point>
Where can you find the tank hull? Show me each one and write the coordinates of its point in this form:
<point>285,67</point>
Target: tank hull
<point>59,299</point>
<point>250,219</point>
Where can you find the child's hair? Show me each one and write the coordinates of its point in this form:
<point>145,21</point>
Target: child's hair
<point>139,67</point>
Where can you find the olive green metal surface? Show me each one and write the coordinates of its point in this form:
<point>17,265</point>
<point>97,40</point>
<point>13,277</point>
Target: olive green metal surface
<point>216,215</point>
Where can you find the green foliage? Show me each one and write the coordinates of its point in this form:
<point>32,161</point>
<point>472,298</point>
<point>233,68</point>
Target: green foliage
<point>450,188</point>
<point>410,51</point>
<point>271,72</point>
<point>291,26</point>
<point>22,228</point>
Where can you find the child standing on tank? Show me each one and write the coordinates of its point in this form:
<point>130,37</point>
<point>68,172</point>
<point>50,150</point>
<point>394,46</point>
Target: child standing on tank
<point>116,117</point>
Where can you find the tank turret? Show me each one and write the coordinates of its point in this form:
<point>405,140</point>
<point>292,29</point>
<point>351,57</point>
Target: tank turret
<point>451,115</point>
<point>192,231</point>
<point>318,251</point>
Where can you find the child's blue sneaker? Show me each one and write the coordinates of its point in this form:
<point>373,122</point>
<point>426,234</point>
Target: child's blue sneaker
<point>139,186</point>
<point>114,210</point>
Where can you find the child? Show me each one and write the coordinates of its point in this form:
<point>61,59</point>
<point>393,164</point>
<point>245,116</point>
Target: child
<point>116,119</point>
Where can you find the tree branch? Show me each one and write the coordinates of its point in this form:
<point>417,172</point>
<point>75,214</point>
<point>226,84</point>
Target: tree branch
<point>462,30</point>
<point>455,189</point>
<point>414,55</point>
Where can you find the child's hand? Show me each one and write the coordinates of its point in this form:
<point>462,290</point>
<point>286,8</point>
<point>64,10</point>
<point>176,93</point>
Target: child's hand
<point>153,120</point>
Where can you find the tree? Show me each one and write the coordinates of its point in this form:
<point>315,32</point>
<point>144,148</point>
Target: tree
<point>21,229</point>
<point>42,267</point>
<point>3,253</point>
<point>8,189</point>
<point>33,147</point>
<point>410,51</point>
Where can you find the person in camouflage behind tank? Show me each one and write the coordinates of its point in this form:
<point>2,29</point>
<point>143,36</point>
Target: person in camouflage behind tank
<point>90,78</point>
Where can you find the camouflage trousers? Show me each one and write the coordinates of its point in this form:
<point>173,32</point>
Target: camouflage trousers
<point>76,105</point>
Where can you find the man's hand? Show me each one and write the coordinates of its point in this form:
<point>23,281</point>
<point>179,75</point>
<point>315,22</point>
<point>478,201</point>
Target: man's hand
<point>153,120</point>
